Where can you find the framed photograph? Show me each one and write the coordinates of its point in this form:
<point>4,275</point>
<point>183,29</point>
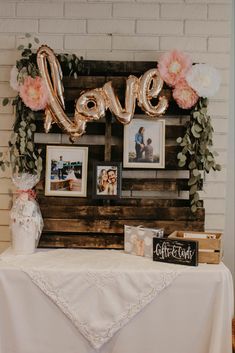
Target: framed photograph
<point>144,143</point>
<point>66,171</point>
<point>107,180</point>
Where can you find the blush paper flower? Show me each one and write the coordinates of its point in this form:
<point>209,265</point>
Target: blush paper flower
<point>14,79</point>
<point>173,66</point>
<point>34,93</point>
<point>204,79</point>
<point>184,95</point>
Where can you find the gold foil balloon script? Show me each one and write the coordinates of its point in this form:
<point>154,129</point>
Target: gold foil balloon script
<point>91,105</point>
<point>123,115</point>
<point>150,86</point>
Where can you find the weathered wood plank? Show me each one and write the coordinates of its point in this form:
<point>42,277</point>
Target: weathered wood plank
<point>140,202</point>
<point>156,184</point>
<point>108,135</point>
<point>98,128</point>
<point>90,241</point>
<point>118,68</point>
<point>120,212</point>
<point>116,226</point>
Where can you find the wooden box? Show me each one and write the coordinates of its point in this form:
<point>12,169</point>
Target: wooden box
<point>210,250</point>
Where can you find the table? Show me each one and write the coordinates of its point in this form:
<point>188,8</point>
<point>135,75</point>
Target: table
<point>193,315</point>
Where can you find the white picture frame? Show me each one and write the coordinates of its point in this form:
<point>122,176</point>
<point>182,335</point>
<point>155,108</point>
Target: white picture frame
<point>151,153</point>
<point>66,171</point>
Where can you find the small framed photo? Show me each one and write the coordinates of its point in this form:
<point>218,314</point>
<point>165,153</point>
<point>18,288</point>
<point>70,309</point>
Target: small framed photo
<point>66,171</point>
<point>107,180</point>
<point>144,143</point>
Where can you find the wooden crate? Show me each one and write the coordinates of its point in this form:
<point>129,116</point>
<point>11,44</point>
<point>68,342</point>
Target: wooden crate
<point>152,198</point>
<point>210,250</point>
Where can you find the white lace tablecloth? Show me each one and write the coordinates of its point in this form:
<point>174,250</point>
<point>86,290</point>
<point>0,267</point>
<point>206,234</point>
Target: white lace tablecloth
<point>99,291</point>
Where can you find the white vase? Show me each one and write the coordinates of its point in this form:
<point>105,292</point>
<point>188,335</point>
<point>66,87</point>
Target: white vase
<point>23,238</point>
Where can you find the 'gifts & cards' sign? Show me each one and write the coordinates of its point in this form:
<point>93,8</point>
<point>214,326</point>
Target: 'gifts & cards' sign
<point>183,252</point>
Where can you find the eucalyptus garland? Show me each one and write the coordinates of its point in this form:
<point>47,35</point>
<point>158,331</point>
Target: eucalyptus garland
<point>196,149</point>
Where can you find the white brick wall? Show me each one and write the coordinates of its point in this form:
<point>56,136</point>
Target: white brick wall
<point>123,30</point>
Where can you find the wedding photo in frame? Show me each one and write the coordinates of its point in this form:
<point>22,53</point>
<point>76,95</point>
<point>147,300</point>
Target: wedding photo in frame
<point>144,143</point>
<point>107,180</point>
<point>66,171</point>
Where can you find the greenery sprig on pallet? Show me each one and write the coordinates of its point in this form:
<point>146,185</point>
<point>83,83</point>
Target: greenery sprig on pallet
<point>196,149</point>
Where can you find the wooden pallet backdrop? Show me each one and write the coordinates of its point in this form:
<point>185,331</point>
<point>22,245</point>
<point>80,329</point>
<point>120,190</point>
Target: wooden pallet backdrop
<point>152,198</point>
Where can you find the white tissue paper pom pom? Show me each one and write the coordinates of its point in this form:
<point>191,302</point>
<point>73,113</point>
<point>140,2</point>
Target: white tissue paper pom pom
<point>204,79</point>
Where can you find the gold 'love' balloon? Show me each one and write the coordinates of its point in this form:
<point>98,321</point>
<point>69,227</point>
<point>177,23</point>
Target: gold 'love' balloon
<point>123,115</point>
<point>150,86</point>
<point>55,109</point>
<point>91,105</point>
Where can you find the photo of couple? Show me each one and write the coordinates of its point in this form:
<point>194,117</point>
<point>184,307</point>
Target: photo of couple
<point>144,152</point>
<point>144,143</point>
<point>66,171</point>
<point>107,180</point>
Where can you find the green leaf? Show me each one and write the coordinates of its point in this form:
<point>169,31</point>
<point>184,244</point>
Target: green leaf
<point>22,149</point>
<point>199,204</point>
<point>27,35</point>
<point>30,146</point>
<point>23,124</point>
<point>196,172</point>
<point>22,133</point>
<point>196,115</point>
<point>193,208</point>
<point>5,101</point>
<point>218,167</point>
<point>195,133</point>
<point>36,40</point>
<point>199,119</point>
<point>29,133</point>
<point>193,189</point>
<point>20,47</point>
<point>33,127</point>
<point>197,128</point>
<point>179,155</point>
<point>210,158</point>
<point>192,181</point>
<point>203,110</point>
<point>181,163</point>
<point>192,165</point>
<point>31,164</point>
<point>179,140</point>
<point>196,196</point>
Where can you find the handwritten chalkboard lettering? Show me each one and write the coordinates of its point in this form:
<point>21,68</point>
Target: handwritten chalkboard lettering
<point>179,253</point>
<point>174,251</point>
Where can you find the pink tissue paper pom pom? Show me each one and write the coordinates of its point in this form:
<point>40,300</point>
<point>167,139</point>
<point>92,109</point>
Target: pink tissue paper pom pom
<point>184,95</point>
<point>173,66</point>
<point>34,93</point>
